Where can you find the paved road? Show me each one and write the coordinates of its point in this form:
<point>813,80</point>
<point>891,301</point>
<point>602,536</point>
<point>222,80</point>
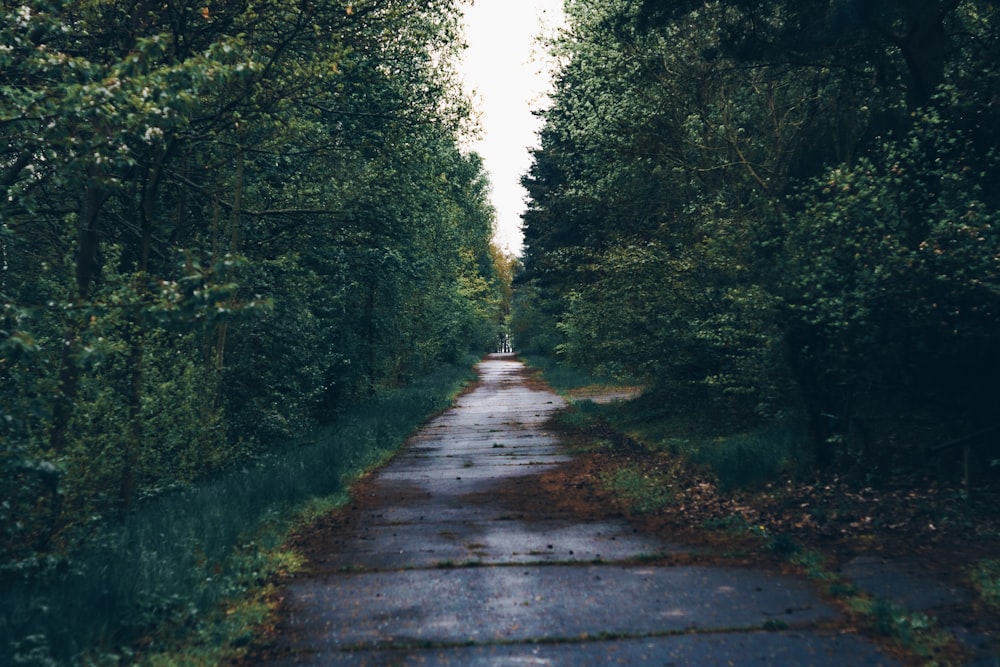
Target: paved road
<point>439,570</point>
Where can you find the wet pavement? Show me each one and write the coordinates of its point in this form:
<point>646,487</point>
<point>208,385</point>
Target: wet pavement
<point>436,570</point>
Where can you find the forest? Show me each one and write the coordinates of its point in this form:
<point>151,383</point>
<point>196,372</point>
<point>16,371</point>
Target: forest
<point>223,226</point>
<point>244,250</point>
<point>779,213</point>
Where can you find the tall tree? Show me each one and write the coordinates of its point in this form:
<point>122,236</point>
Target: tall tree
<point>220,222</point>
<point>707,173</point>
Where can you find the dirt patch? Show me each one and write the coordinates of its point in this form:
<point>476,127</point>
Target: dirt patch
<point>604,394</point>
<point>576,488</point>
<point>532,379</point>
<point>326,534</point>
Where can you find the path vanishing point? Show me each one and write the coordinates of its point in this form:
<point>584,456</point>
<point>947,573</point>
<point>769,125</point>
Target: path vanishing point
<point>438,567</point>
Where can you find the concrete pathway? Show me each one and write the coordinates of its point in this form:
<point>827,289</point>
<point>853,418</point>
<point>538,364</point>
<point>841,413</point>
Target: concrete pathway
<point>440,571</point>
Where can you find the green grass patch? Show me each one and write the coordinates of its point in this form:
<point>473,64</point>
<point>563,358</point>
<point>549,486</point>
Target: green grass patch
<point>564,377</point>
<point>814,564</point>
<point>738,458</point>
<point>178,569</point>
<point>644,491</point>
<point>985,578</point>
<point>745,459</point>
<point>583,414</point>
<point>916,632</point>
<point>732,524</point>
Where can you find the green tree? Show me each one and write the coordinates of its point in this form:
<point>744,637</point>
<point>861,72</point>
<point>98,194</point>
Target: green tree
<point>893,275</point>
<point>682,228</point>
<point>220,222</point>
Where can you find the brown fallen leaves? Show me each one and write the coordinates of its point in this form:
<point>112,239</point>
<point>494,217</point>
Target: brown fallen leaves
<point>925,522</point>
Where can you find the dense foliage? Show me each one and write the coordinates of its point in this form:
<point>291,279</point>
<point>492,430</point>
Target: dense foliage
<point>221,222</point>
<point>761,209</point>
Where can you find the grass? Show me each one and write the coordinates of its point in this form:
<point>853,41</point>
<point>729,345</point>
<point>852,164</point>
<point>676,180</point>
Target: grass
<point>178,571</point>
<point>985,578</point>
<point>563,377</point>
<point>738,458</point>
<point>644,491</point>
<point>583,414</point>
<point>746,459</point>
<point>916,632</point>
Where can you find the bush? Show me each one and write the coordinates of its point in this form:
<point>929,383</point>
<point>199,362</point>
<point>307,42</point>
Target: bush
<point>747,459</point>
<point>892,278</point>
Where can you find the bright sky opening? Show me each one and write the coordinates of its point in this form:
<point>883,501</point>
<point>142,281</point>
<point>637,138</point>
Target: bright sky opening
<point>506,72</point>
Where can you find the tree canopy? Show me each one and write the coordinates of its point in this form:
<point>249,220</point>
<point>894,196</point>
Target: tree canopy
<point>220,222</point>
<point>769,208</point>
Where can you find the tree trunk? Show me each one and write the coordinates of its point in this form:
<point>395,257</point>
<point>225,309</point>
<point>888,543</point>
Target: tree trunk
<point>924,49</point>
<point>235,239</point>
<point>136,427</point>
<point>371,338</point>
<point>86,270</point>
<point>133,443</point>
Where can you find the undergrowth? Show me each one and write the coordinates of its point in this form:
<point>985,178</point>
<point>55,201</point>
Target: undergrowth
<point>563,377</point>
<point>737,460</point>
<point>985,578</point>
<point>177,570</point>
<point>747,461</point>
<point>644,491</point>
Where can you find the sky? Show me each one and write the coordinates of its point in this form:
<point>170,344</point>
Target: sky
<point>504,73</point>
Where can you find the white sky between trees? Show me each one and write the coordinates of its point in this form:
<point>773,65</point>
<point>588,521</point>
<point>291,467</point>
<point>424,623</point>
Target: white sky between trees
<point>505,71</point>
